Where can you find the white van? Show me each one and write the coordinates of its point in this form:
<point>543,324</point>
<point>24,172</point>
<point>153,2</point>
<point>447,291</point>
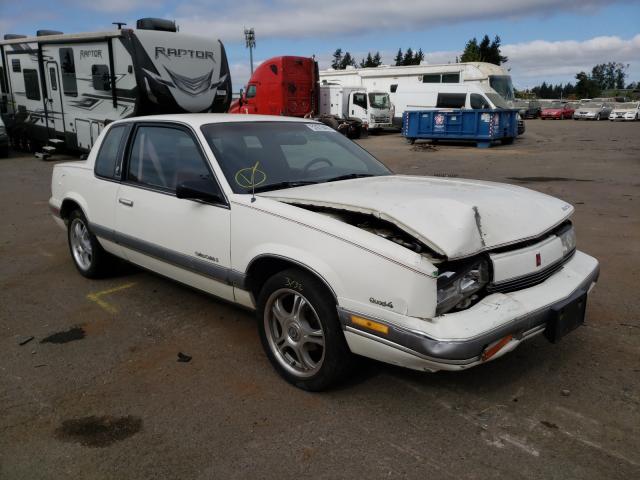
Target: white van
<point>425,96</point>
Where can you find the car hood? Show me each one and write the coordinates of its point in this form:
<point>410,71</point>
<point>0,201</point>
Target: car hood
<point>552,110</point>
<point>624,110</point>
<point>590,110</point>
<point>456,218</point>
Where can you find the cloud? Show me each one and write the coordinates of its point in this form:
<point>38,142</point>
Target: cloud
<point>308,18</point>
<point>111,6</point>
<point>540,59</point>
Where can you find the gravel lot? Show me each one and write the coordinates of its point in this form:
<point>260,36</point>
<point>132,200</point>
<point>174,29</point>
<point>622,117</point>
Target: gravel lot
<point>99,393</point>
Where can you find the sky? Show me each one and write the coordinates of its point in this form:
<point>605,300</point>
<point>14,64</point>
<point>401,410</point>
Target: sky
<point>547,40</point>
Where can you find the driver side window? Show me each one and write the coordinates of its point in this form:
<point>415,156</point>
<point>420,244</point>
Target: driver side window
<point>163,157</point>
<point>478,101</point>
<point>360,99</point>
<point>251,91</point>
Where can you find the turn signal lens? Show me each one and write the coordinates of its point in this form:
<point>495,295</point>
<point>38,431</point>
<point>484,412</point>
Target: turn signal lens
<point>370,324</point>
<point>495,348</point>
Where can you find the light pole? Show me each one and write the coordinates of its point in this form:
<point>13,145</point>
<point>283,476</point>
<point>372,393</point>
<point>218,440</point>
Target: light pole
<point>250,39</point>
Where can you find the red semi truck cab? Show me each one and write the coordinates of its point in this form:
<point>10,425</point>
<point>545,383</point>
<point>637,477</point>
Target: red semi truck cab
<point>281,86</point>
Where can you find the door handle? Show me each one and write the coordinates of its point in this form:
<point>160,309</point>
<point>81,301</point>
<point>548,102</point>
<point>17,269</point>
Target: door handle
<point>124,201</point>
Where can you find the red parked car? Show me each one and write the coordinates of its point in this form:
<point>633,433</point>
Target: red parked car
<point>558,111</point>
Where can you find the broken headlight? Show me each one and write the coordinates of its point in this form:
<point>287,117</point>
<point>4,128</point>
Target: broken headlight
<point>459,289</point>
<point>568,238</point>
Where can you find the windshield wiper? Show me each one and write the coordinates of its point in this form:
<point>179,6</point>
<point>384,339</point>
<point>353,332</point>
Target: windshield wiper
<point>348,176</point>
<point>281,185</point>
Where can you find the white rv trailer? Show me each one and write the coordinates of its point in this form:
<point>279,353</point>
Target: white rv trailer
<point>63,89</point>
<point>488,77</point>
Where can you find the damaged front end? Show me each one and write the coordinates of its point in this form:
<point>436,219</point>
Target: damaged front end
<point>379,227</point>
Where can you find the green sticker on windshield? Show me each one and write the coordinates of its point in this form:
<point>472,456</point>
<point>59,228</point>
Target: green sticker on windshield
<point>250,177</point>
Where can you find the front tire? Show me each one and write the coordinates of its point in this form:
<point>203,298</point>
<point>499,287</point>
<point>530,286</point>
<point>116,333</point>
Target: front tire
<point>300,331</point>
<point>91,260</point>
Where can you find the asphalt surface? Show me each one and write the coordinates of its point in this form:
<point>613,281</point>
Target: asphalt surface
<point>99,391</point>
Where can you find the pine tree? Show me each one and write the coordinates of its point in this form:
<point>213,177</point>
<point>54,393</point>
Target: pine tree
<point>471,51</point>
<point>399,57</point>
<point>347,61</point>
<point>408,57</point>
<point>377,60</point>
<point>337,59</point>
<point>419,57</point>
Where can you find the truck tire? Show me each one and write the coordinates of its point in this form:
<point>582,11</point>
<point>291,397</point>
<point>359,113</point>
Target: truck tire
<point>300,331</point>
<point>410,141</point>
<point>91,260</point>
<point>330,122</point>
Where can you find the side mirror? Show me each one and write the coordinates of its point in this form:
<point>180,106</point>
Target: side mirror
<point>204,190</point>
<point>241,99</point>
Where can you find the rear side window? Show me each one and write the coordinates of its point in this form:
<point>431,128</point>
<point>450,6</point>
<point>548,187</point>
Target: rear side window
<point>54,79</point>
<point>15,65</point>
<point>450,78</point>
<point>433,78</point>
<point>108,155</point>
<point>163,157</point>
<point>100,76</point>
<point>451,100</point>
<point>31,87</point>
<point>68,66</point>
<point>393,88</point>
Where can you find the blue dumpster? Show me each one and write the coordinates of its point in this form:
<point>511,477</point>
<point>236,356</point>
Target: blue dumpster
<point>481,126</point>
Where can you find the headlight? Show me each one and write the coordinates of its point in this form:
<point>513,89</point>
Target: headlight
<point>457,289</point>
<point>568,238</point>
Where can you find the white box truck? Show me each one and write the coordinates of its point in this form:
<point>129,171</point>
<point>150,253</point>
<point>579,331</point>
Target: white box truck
<point>372,108</point>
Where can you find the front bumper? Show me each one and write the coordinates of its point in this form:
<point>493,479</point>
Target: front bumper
<point>458,340</point>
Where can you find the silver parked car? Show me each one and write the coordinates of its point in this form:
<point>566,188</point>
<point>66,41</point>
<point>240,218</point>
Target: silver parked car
<point>592,111</point>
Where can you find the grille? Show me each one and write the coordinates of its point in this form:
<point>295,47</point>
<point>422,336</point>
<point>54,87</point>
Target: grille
<point>382,119</point>
<point>528,280</point>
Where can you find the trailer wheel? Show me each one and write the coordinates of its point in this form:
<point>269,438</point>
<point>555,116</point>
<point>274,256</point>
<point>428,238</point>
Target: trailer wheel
<point>506,141</point>
<point>410,141</point>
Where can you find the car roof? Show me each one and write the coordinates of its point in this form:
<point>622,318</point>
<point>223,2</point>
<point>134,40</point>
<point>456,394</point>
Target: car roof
<point>199,119</point>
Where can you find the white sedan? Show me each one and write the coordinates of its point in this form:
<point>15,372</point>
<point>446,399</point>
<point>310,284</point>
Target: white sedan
<point>337,255</point>
<point>628,111</point>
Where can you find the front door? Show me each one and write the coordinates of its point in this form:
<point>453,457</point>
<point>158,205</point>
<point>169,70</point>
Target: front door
<point>358,106</point>
<point>54,106</point>
<point>186,240</point>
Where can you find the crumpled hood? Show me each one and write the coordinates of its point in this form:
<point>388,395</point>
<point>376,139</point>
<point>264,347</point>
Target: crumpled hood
<point>455,217</point>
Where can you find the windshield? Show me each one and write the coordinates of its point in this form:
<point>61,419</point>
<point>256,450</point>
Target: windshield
<point>556,105</point>
<point>591,105</point>
<point>272,155</point>
<point>379,100</point>
<point>497,100</point>
<point>626,106</point>
<point>502,84</point>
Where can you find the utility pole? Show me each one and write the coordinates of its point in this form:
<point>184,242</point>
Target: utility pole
<point>250,39</point>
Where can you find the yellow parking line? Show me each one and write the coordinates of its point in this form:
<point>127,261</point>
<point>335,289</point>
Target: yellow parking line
<point>96,297</point>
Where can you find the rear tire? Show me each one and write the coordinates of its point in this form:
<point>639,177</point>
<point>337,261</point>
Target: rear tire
<point>300,331</point>
<point>91,260</point>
